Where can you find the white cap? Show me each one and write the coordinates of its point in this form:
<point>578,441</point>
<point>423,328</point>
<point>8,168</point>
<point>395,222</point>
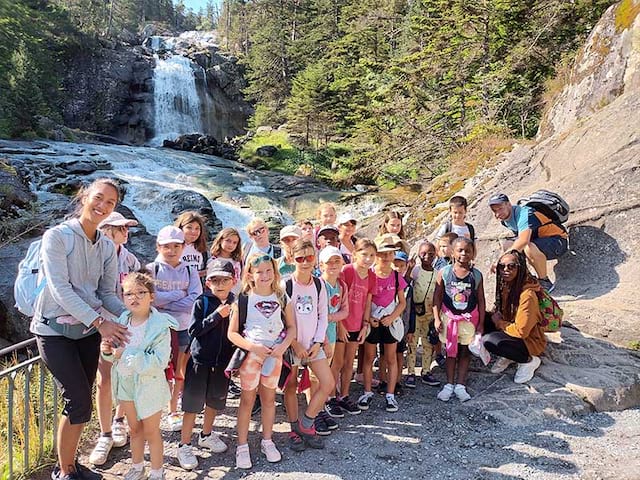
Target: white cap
<point>345,217</point>
<point>170,234</point>
<point>327,252</point>
<point>117,220</point>
<point>290,231</point>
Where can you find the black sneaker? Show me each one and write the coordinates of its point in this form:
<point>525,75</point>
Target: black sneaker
<point>332,407</point>
<point>331,423</point>
<point>85,473</point>
<point>349,406</point>
<point>234,390</point>
<point>382,388</point>
<point>257,406</point>
<point>392,405</point>
<point>309,436</point>
<point>321,426</point>
<point>441,360</point>
<point>364,401</point>
<point>429,379</point>
<point>295,442</point>
<point>410,381</point>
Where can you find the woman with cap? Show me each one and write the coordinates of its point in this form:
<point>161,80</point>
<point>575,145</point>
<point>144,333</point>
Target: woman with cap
<point>347,228</point>
<point>112,433</point>
<point>72,313</point>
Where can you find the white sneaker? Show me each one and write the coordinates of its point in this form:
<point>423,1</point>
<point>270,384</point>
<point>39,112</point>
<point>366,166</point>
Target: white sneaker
<point>186,458</point>
<point>525,371</point>
<point>101,451</point>
<point>119,434</point>
<point>174,420</point>
<point>270,450</point>
<point>446,392</point>
<point>243,457</point>
<point>501,364</point>
<point>213,443</point>
<point>461,393</point>
<point>157,476</point>
<point>134,474</point>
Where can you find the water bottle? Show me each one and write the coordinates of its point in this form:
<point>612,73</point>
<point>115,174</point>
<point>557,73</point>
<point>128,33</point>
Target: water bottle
<point>268,366</point>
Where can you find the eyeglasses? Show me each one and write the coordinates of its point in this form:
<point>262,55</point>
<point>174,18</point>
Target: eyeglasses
<point>137,295</point>
<point>220,280</point>
<point>123,229</point>
<point>308,258</point>
<point>260,259</point>
<point>258,231</point>
<point>508,266</point>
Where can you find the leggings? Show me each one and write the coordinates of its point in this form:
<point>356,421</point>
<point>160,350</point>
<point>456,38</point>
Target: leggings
<point>499,343</point>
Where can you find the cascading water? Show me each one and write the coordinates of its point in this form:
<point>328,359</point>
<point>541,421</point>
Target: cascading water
<point>175,96</point>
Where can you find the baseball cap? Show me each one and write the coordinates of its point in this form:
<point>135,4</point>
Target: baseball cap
<point>387,242</point>
<point>328,228</point>
<point>497,199</point>
<point>170,234</point>
<point>327,252</point>
<point>220,268</point>
<point>290,231</point>
<point>117,220</point>
<point>345,217</point>
<point>400,255</point>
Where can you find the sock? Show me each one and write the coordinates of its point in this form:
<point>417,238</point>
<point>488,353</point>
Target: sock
<point>390,396</point>
<point>118,420</point>
<point>202,435</point>
<point>306,421</point>
<point>156,472</point>
<point>138,467</point>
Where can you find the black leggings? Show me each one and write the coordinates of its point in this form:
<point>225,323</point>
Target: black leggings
<point>499,343</point>
<point>73,364</point>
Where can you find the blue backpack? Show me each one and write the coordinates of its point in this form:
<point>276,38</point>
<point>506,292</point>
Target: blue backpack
<point>27,288</point>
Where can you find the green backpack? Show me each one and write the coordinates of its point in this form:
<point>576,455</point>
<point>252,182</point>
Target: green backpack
<point>550,310</point>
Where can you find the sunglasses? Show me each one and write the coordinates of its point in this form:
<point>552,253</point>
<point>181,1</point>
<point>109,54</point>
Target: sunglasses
<point>137,295</point>
<point>258,231</point>
<point>508,266</point>
<point>260,259</point>
<point>308,258</point>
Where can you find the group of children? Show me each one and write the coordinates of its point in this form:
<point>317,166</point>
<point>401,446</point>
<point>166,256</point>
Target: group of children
<point>292,316</point>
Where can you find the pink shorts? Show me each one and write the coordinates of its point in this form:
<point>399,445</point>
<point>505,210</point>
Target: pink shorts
<point>250,373</point>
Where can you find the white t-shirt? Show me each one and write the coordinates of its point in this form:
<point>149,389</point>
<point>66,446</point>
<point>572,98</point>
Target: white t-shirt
<point>193,258</point>
<point>264,319</point>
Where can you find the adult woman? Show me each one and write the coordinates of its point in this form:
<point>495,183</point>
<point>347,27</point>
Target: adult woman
<point>518,336</point>
<point>81,270</point>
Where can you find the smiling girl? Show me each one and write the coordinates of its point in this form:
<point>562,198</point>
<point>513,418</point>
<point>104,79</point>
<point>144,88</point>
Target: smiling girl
<point>195,251</point>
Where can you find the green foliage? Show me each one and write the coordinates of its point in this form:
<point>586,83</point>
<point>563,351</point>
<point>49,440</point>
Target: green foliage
<point>403,83</point>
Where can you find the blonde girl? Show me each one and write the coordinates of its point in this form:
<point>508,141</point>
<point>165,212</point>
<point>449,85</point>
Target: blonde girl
<point>265,332</point>
<point>138,381</point>
<point>326,215</point>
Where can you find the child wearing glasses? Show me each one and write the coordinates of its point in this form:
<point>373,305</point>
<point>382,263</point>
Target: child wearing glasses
<point>264,330</point>
<point>205,382</point>
<point>138,381</point>
<point>177,287</point>
<point>308,295</point>
<point>258,231</point>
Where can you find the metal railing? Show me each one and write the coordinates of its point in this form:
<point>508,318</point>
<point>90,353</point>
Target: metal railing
<point>28,411</point>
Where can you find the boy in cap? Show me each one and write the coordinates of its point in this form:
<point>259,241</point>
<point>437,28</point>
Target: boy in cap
<point>205,383</point>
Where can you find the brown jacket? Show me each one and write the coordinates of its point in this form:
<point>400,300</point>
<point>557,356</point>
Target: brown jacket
<point>526,325</point>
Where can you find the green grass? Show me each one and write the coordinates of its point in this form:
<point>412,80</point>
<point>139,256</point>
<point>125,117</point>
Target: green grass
<point>21,430</point>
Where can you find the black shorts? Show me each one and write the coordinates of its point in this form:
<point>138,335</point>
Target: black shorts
<point>353,337</point>
<point>380,334</point>
<point>73,364</point>
<point>552,247</point>
<point>204,386</point>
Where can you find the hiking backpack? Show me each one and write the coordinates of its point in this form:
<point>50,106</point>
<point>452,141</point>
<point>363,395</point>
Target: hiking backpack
<point>551,312</point>
<point>449,225</point>
<point>550,204</point>
<point>26,288</point>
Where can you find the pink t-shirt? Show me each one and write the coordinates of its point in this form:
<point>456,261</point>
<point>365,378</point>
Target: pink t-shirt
<point>385,291</point>
<point>359,288</point>
<point>311,311</point>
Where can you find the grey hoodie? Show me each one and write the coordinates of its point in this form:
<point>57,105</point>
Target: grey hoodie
<point>79,283</point>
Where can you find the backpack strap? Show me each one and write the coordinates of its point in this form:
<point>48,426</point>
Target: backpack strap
<point>471,231</point>
<point>316,280</point>
<point>243,302</point>
<point>395,272</point>
<point>288,287</point>
<point>205,304</point>
<point>448,226</point>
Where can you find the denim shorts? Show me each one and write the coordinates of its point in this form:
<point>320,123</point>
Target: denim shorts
<point>552,247</point>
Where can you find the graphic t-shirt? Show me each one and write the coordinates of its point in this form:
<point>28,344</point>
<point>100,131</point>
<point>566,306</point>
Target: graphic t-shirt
<point>193,257</point>
<point>311,312</point>
<point>460,294</point>
<point>385,291</point>
<point>333,294</point>
<point>359,288</point>
<point>264,319</point>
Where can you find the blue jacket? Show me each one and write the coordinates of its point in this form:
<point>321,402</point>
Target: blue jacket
<point>148,363</point>
<point>208,331</point>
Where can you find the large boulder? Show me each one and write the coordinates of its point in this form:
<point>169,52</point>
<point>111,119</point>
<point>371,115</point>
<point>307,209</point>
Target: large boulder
<point>182,200</point>
<point>14,192</point>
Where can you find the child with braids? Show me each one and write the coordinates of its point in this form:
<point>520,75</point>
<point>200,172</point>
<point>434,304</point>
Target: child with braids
<point>458,308</point>
<point>518,336</point>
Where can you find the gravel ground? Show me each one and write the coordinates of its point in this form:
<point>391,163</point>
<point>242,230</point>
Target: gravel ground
<point>426,438</point>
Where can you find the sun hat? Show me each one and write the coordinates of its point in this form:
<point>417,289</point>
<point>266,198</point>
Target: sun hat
<point>387,242</point>
<point>290,231</point>
<point>117,220</point>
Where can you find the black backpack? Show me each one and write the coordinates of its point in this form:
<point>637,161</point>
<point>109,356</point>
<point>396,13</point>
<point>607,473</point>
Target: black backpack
<point>448,226</point>
<point>550,204</point>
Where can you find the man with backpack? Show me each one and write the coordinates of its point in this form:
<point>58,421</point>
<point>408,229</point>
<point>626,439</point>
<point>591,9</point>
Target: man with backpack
<point>537,227</point>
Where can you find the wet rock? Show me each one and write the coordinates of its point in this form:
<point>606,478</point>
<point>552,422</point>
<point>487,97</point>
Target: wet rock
<point>183,200</point>
<point>14,192</point>
<point>78,167</point>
